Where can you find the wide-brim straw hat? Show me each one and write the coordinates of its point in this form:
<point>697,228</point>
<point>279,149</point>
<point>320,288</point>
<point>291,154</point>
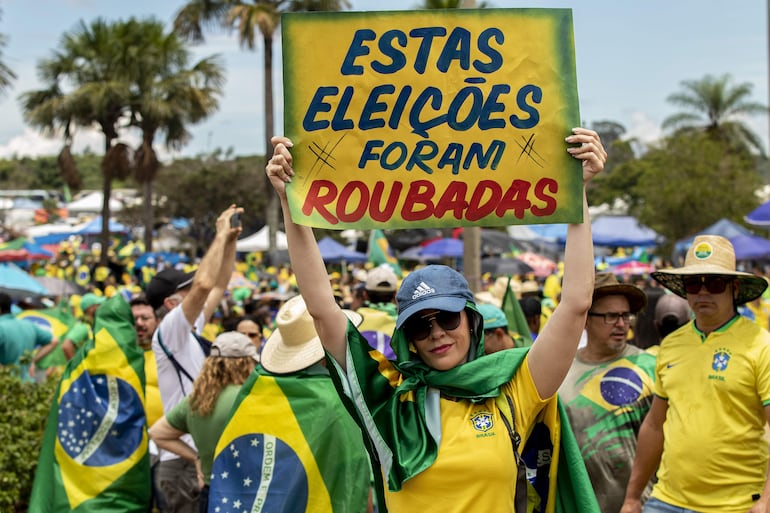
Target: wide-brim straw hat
<point>295,345</point>
<point>711,254</point>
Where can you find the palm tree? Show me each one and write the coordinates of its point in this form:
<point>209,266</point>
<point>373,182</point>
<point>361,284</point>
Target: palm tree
<point>714,105</point>
<point>85,86</point>
<point>450,4</point>
<point>6,74</point>
<point>167,95</point>
<point>250,20</point>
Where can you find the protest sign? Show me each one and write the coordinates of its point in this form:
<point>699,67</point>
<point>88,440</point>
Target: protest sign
<point>431,119</point>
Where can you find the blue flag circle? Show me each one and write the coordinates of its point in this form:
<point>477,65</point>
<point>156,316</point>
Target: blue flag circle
<point>620,386</point>
<point>101,420</point>
<point>258,472</point>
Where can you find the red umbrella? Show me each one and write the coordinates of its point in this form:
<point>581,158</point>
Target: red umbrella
<point>541,265</point>
<point>633,267</point>
<point>21,249</point>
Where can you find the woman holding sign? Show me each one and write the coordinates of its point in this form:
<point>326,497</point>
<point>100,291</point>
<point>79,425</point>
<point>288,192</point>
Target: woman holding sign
<point>449,425</point>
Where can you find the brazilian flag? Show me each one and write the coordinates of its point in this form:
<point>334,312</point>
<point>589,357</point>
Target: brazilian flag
<point>57,320</point>
<point>290,446</point>
<point>379,251</point>
<point>94,456</point>
<point>517,322</point>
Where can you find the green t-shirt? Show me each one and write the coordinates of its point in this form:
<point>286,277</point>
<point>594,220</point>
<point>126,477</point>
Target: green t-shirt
<point>77,334</point>
<point>205,430</point>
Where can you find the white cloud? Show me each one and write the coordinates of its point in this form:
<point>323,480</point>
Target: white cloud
<point>643,128</point>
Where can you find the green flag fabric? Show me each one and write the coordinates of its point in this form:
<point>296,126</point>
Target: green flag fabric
<point>394,399</point>
<point>379,251</point>
<point>290,446</point>
<point>517,322</point>
<point>94,456</point>
<point>58,320</point>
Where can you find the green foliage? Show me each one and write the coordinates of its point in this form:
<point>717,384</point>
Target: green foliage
<point>199,189</point>
<point>42,173</point>
<point>692,181</point>
<point>23,410</point>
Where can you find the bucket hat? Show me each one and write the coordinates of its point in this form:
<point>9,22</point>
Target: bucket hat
<point>295,345</point>
<point>711,254</point>
<point>607,284</point>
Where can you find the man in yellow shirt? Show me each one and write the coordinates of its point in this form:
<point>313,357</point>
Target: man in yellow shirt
<point>705,430</point>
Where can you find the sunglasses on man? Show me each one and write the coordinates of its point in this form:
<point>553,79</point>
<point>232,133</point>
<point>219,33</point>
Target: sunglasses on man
<point>420,327</point>
<point>714,284</point>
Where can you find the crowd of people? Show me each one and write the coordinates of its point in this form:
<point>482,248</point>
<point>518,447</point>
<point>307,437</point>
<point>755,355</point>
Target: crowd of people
<point>366,390</point>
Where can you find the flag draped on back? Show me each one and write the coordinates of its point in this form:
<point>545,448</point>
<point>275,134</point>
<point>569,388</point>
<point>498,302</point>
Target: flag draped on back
<point>94,456</point>
<point>379,251</point>
<point>517,322</point>
<point>290,447</point>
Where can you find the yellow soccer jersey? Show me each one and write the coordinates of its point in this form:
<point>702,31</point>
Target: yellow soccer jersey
<point>714,456</point>
<point>474,443</point>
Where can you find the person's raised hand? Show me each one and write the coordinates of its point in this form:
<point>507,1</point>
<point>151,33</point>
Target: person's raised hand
<point>590,152</point>
<point>279,167</point>
<point>225,226</point>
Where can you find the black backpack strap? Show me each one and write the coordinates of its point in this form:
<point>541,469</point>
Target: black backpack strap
<point>177,366</point>
<point>203,342</point>
<point>520,497</point>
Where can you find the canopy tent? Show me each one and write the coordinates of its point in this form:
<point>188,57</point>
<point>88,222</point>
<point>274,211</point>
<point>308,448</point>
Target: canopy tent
<point>332,252</point>
<point>93,227</point>
<point>92,203</point>
<point>724,228</point>
<point>623,231</point>
<point>750,247</point>
<point>760,216</point>
<point>259,241</point>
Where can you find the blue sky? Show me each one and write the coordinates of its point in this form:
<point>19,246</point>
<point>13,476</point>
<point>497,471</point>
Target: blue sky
<point>630,57</point>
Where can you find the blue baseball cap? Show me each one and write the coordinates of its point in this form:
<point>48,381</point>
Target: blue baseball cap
<point>493,317</point>
<point>433,287</point>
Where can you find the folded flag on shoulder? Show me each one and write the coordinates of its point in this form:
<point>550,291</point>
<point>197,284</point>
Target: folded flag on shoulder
<point>94,456</point>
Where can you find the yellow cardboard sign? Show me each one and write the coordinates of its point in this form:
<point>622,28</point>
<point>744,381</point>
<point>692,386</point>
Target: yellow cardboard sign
<point>431,118</point>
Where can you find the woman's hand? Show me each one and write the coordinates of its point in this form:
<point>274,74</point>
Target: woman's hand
<point>279,167</point>
<point>591,151</point>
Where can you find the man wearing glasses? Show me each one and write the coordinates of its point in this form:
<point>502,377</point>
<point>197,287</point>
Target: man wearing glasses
<point>705,431</point>
<point>609,388</point>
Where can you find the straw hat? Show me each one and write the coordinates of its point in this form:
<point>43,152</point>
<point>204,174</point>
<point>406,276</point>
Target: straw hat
<point>711,254</point>
<point>607,284</point>
<point>295,345</point>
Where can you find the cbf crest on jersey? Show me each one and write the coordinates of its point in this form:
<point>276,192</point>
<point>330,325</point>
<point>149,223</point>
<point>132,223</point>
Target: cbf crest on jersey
<point>721,360</point>
<point>483,421</point>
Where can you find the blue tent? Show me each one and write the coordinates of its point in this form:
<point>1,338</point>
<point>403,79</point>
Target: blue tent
<point>622,231</point>
<point>750,247</point>
<point>95,227</point>
<point>333,252</point>
<point>724,228</point>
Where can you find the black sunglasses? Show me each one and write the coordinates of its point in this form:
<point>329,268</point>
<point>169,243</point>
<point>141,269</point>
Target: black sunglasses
<point>713,284</point>
<point>419,327</point>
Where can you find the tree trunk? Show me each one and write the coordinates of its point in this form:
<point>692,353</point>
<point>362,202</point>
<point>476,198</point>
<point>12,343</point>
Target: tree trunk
<point>271,213</point>
<point>148,214</point>
<point>104,238</point>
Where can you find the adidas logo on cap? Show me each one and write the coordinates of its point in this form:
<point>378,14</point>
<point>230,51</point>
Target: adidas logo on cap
<point>423,289</point>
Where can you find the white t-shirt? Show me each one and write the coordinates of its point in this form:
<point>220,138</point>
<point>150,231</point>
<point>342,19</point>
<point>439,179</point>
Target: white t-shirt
<point>176,334</point>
